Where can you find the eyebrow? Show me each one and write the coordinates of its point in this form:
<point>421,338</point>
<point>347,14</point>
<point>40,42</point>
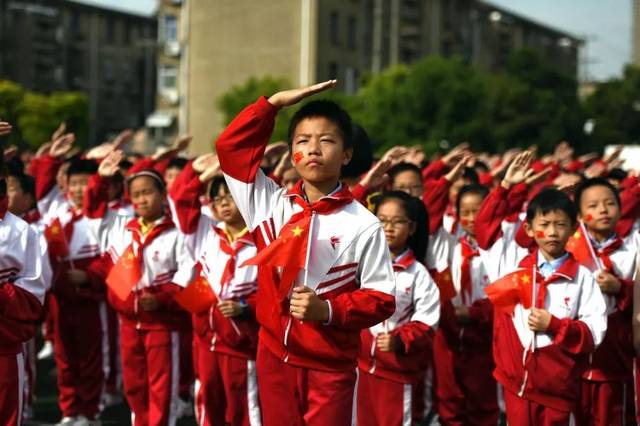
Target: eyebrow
<point>321,134</point>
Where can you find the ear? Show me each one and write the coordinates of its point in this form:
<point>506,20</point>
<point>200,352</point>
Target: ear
<point>347,156</point>
<point>528,229</point>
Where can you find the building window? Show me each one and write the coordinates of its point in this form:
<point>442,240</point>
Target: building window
<point>169,29</point>
<point>333,70</point>
<point>352,32</point>
<point>167,78</point>
<point>351,80</point>
<point>334,22</point>
<point>110,30</point>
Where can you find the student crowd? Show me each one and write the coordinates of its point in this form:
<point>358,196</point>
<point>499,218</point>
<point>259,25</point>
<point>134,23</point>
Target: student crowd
<point>305,283</point>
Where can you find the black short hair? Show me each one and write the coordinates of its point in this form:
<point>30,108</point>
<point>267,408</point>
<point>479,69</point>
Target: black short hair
<point>482,166</point>
<point>177,163</point>
<point>403,167</point>
<point>617,174</point>
<point>362,153</point>
<point>80,166</point>
<point>472,188</point>
<point>15,167</point>
<point>417,213</point>
<point>325,109</point>
<point>217,183</point>
<point>549,200</point>
<point>27,183</point>
<point>470,174</point>
<point>590,183</point>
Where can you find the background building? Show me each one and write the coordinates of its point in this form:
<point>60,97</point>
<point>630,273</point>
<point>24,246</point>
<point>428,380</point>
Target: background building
<point>221,43</point>
<point>635,41</point>
<point>54,45</point>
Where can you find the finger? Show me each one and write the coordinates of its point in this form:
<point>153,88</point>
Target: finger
<point>316,88</point>
<point>302,289</point>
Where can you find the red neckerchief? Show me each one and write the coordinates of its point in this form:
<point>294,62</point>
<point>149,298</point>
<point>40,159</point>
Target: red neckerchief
<point>404,261</point>
<point>302,220</point>
<point>4,205</point>
<point>605,252</point>
<point>158,229</point>
<point>231,249</point>
<point>567,270</point>
<point>76,215</point>
<point>468,252</point>
<point>32,216</point>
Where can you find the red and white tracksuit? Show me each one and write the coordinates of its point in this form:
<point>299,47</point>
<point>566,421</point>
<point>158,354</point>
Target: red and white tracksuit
<point>149,340</point>
<point>227,391</point>
<point>23,282</point>
<point>607,387</point>
<point>467,392</point>
<point>387,381</point>
<point>540,372</point>
<point>306,369</point>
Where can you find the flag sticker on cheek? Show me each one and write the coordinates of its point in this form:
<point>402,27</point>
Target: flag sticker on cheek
<point>540,234</point>
<point>297,157</point>
<point>464,222</point>
<point>588,218</point>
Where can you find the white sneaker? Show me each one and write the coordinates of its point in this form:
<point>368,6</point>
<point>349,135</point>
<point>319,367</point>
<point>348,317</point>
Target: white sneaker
<point>46,352</point>
<point>67,421</point>
<point>81,421</point>
<point>111,399</point>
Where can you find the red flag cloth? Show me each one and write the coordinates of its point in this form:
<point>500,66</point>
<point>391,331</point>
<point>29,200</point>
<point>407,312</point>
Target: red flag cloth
<point>125,274</point>
<point>445,284</point>
<point>56,239</point>
<point>466,286</point>
<point>289,250</point>
<point>197,296</point>
<point>513,288</point>
<point>580,247</point>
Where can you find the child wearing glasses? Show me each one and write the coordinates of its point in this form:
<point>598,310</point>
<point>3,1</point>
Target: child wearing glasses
<point>225,332</point>
<point>392,352</point>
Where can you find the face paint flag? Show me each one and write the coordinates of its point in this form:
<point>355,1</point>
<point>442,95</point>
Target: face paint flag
<point>540,234</point>
<point>197,297</point>
<point>297,157</point>
<point>125,274</point>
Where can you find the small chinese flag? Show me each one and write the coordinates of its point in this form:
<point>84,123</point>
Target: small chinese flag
<point>197,296</point>
<point>580,247</point>
<point>56,240</point>
<point>513,288</point>
<point>288,251</point>
<point>445,284</point>
<point>125,274</point>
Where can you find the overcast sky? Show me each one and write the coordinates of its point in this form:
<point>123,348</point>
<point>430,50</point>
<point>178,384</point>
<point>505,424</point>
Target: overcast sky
<point>604,24</point>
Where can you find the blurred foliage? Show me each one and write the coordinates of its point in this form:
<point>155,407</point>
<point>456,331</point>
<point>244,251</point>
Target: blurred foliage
<point>438,102</point>
<point>35,115</point>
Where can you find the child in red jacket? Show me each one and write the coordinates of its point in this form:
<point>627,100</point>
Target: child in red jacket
<point>392,356</point>
<point>324,267</point>
<point>225,331</point>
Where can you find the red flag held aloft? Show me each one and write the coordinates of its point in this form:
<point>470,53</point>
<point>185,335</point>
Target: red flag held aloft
<point>56,240</point>
<point>580,247</point>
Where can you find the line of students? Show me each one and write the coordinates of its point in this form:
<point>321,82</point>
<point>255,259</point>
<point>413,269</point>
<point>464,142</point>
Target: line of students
<point>319,312</point>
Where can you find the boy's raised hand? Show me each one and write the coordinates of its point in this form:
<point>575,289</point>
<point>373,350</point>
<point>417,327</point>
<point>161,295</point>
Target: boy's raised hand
<point>293,96</point>
<point>518,171</point>
<point>456,154</point>
<point>307,306</point>
<point>456,172</point>
<point>5,128</point>
<point>62,145</point>
<point>111,164</point>
<point>377,175</point>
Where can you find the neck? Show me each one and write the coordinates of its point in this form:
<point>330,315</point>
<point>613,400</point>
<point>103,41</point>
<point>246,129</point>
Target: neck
<point>395,252</point>
<point>550,257</point>
<point>601,236</point>
<point>150,219</point>
<point>316,190</point>
<point>234,228</point>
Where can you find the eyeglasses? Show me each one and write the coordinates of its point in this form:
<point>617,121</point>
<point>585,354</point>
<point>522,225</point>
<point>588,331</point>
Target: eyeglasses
<point>395,223</point>
<point>221,199</point>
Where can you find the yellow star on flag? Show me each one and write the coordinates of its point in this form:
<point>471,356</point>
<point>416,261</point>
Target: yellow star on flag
<point>297,231</point>
<point>525,279</point>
